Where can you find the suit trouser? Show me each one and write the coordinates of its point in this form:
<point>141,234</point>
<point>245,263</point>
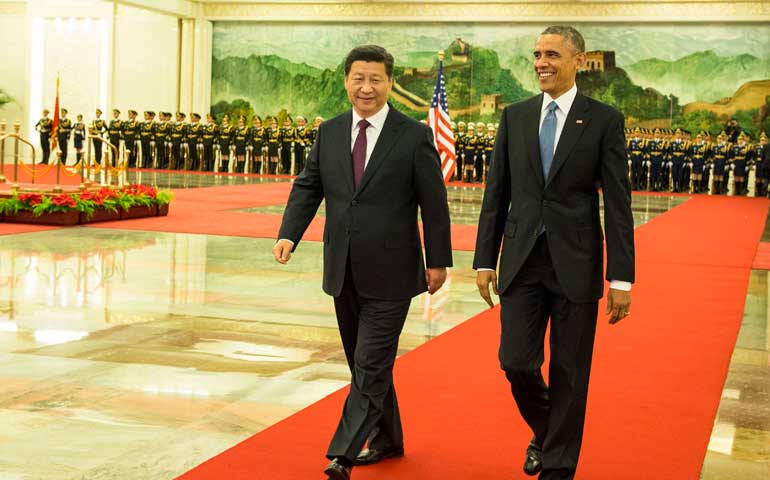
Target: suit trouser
<point>554,412</point>
<point>369,329</point>
<point>45,144</point>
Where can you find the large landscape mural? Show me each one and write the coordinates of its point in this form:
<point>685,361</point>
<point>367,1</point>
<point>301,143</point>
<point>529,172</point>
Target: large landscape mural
<point>696,77</point>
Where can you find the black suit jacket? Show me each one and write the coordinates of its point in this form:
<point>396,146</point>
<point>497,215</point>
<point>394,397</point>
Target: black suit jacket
<point>518,200</point>
<point>375,225</point>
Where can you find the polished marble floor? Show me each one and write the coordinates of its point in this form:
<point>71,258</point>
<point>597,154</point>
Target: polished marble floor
<point>169,348</point>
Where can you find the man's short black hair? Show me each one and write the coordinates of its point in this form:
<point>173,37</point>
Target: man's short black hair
<point>370,53</point>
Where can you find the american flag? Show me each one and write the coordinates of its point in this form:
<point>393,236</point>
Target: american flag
<point>438,120</point>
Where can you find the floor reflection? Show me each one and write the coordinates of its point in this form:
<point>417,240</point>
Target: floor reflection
<point>198,180</point>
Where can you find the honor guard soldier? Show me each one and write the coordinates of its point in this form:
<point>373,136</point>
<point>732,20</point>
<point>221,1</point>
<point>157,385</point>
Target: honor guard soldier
<point>658,152</point>
<point>273,136</point>
<point>44,126</point>
<point>680,156</point>
<point>761,166</point>
<point>115,130</point>
<point>460,150</point>
<point>162,136</point>
<point>481,146</point>
<point>178,136</point>
<point>720,156</point>
<point>225,139</point>
<point>700,159</point>
<point>469,153</point>
<point>97,129</point>
<point>740,156</point>
<point>130,132</point>
<point>256,144</point>
<point>241,140</point>
<point>64,132</point>
<point>287,145</point>
<point>301,144</point>
<point>79,137</point>
<point>489,146</point>
<point>314,132</point>
<point>209,136</point>
<point>635,148</point>
<point>194,141</point>
<point>147,138</point>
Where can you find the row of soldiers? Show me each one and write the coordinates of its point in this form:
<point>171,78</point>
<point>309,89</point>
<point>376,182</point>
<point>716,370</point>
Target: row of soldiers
<point>666,160</point>
<point>474,143</point>
<point>190,145</point>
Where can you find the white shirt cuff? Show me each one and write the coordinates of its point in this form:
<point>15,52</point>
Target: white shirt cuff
<point>485,269</point>
<point>620,285</point>
<point>292,243</point>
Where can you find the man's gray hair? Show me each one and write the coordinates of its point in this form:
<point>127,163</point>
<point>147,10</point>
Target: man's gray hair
<point>568,33</point>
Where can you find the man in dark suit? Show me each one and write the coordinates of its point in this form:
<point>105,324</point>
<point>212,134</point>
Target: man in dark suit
<point>542,203</point>
<point>374,167</point>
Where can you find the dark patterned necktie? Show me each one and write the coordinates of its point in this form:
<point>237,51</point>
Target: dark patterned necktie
<point>359,152</point>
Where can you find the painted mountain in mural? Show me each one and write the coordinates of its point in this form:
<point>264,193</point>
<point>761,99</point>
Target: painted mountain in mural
<point>702,76</point>
<point>4,98</point>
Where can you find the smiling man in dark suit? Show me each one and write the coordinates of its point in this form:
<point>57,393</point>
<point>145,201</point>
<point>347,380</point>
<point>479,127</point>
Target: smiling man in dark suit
<point>374,167</point>
<point>542,204</point>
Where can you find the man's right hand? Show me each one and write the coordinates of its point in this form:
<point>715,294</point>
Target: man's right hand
<point>483,279</point>
<point>282,251</point>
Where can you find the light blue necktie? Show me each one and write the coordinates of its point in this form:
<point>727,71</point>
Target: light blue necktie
<point>547,138</point>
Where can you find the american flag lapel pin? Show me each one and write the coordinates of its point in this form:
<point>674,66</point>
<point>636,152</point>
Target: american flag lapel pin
<point>579,122</point>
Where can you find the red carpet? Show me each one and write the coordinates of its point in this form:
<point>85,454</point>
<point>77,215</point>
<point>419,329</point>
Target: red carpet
<point>39,176</point>
<point>213,211</point>
<point>655,388</point>
<point>762,259</point>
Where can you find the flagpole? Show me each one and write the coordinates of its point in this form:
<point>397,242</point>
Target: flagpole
<point>57,188</point>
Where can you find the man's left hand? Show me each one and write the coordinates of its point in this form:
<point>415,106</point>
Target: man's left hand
<point>435,278</point>
<point>618,305</point>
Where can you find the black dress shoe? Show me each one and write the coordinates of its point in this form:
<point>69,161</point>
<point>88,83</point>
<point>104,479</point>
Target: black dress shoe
<point>375,455</point>
<point>533,461</point>
<point>337,471</point>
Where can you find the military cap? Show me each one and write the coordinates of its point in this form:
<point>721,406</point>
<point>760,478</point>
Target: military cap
<point>133,112</point>
<point>181,114</point>
<point>195,115</point>
<point>460,123</point>
<point>64,110</point>
<point>98,110</point>
<point>490,126</point>
<point>115,110</point>
<point>763,136</point>
<point>471,124</point>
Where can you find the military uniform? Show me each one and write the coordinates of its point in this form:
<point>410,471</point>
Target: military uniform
<point>680,156</point>
<point>480,153</point>
<point>194,132</point>
<point>301,143</point>
<point>720,155</point>
<point>489,146</point>
<point>256,143</point>
<point>78,138</point>
<point>658,153</point>
<point>44,126</point>
<point>225,138</point>
<point>761,166</point>
<point>241,140</point>
<point>700,160</point>
<point>740,157</point>
<point>98,129</point>
<point>287,144</point>
<point>178,136</point>
<point>636,155</point>
<point>273,136</point>
<point>209,134</point>
<point>469,153</point>
<point>65,130</point>
<point>114,131</point>
<point>147,139</point>
<point>162,135</point>
<point>459,137</point>
<point>129,134</point>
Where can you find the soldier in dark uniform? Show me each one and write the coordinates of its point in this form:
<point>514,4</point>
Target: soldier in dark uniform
<point>489,146</point>
<point>635,149</point>
<point>147,138</point>
<point>481,148</point>
<point>225,139</point>
<point>79,137</point>
<point>178,136</point>
<point>97,129</point>
<point>469,153</point>
<point>732,130</point>
<point>44,126</point>
<point>680,155</point>
<point>314,132</point>
<point>700,158</point>
<point>162,138</point>
<point>657,151</point>
<point>273,136</point>
<point>720,156</point>
<point>114,130</point>
<point>129,134</point>
<point>287,145</point>
<point>761,166</point>
<point>460,150</point>
<point>240,139</point>
<point>256,144</point>
<point>64,132</point>
<point>194,132</point>
<point>301,143</point>
<point>740,156</point>
<point>209,136</point>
